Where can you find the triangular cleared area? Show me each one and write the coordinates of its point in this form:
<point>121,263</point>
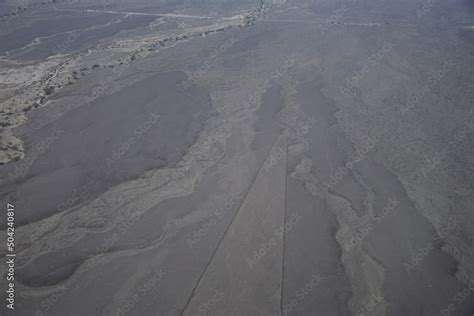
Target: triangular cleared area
<point>244,276</point>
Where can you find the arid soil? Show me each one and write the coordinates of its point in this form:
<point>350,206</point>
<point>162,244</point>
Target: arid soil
<point>244,158</point>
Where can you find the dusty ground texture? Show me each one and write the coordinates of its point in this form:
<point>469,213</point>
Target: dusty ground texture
<point>239,157</point>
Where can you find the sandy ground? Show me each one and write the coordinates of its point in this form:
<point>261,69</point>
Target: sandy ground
<point>239,157</point>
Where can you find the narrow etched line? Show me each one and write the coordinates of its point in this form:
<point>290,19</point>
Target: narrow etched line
<point>284,231</point>
<point>226,230</point>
